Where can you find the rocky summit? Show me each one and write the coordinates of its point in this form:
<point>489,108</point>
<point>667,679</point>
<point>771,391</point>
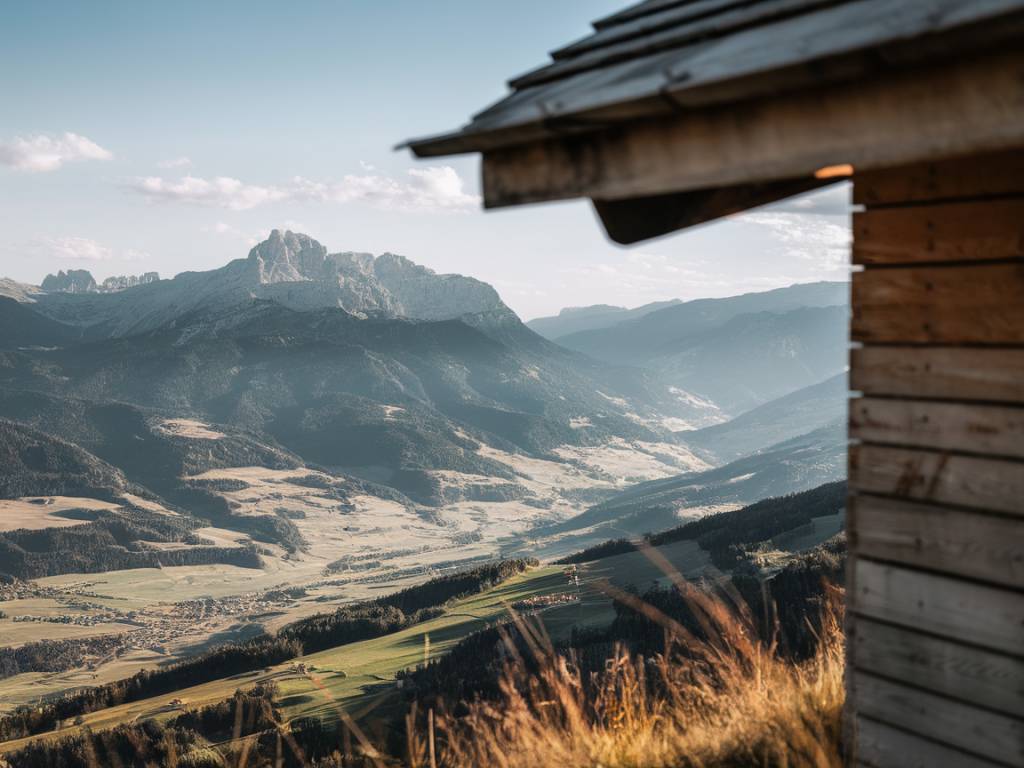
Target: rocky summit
<point>289,268</point>
<point>82,281</point>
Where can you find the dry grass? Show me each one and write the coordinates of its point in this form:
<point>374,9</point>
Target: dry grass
<point>721,700</point>
<point>717,697</point>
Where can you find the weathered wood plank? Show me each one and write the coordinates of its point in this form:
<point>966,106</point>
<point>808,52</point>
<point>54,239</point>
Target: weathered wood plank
<point>994,736</point>
<point>966,481</point>
<point>958,178</point>
<point>973,544</point>
<point>980,304</point>
<point>960,610</point>
<point>995,430</point>
<point>881,746</point>
<point>963,373</point>
<point>965,231</point>
<point>970,674</point>
<point>874,123</point>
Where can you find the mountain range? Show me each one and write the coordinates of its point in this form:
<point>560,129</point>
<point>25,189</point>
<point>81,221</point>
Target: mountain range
<point>82,281</point>
<point>797,464</point>
<point>292,270</point>
<point>578,319</point>
<point>737,352</point>
<point>392,383</point>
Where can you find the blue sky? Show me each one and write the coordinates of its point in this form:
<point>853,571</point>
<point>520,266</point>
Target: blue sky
<point>141,136</point>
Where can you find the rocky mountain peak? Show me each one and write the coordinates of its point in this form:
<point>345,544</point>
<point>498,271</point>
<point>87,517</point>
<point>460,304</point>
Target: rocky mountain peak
<point>121,282</point>
<point>394,264</point>
<point>288,257</point>
<point>288,268</point>
<point>72,281</point>
<point>82,281</point>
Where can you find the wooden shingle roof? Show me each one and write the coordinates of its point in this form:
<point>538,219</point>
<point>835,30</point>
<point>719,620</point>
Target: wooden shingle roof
<point>664,56</point>
<point>675,112</point>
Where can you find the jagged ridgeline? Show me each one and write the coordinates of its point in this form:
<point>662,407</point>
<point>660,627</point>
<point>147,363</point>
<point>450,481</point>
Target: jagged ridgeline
<point>354,376</point>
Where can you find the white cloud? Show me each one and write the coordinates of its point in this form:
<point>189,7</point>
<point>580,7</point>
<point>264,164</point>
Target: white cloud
<point>637,277</point>
<point>232,232</point>
<point>437,188</point>
<point>45,153</point>
<point>223,228</point>
<point>176,162</point>
<point>221,191</point>
<point>833,200</point>
<point>85,249</point>
<point>817,239</point>
<point>76,248</point>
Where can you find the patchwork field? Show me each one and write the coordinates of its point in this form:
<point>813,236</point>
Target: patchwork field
<point>356,546</point>
<point>361,676</point>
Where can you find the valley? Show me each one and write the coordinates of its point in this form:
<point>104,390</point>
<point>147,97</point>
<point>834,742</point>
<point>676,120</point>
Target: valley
<point>203,461</point>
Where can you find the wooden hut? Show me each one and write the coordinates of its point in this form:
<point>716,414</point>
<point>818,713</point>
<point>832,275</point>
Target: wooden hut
<point>675,112</point>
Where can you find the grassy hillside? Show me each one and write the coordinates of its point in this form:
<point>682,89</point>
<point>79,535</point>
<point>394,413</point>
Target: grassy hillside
<point>361,676</point>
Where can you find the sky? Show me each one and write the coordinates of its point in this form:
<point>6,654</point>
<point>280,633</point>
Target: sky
<point>168,137</point>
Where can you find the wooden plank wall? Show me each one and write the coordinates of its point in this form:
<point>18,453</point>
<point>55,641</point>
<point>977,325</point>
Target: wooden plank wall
<point>936,515</point>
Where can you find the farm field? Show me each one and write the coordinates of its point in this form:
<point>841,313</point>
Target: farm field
<point>383,546</point>
<point>38,512</point>
<point>361,676</point>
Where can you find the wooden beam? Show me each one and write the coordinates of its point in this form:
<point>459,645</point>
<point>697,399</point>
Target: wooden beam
<point>997,174</point>
<point>993,736</point>
<point>995,430</point>
<point>948,607</point>
<point>967,481</point>
<point>881,746</point>
<point>962,543</point>
<point>958,671</point>
<point>975,230</point>
<point>638,218</point>
<point>958,107</point>
<point>962,373</point>
<point>979,304</point>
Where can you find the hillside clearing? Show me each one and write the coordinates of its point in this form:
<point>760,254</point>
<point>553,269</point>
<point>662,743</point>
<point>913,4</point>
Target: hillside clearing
<point>38,512</point>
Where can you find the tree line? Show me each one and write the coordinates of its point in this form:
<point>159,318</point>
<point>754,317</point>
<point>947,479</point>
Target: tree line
<point>55,655</point>
<point>182,741</point>
<point>724,534</point>
<point>227,660</point>
<point>390,613</point>
<point>785,607</point>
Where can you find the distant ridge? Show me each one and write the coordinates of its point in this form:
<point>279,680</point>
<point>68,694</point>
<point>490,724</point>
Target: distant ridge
<point>576,319</point>
<point>82,281</point>
<point>289,268</point>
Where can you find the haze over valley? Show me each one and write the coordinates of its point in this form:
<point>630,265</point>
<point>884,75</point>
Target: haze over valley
<point>299,429</point>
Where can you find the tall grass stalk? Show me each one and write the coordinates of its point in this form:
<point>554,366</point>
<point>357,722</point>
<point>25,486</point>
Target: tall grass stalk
<point>719,698</point>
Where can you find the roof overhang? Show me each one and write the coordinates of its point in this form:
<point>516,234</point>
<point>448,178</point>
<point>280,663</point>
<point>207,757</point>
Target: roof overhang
<point>714,162</point>
<point>748,126</point>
